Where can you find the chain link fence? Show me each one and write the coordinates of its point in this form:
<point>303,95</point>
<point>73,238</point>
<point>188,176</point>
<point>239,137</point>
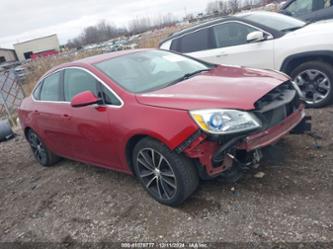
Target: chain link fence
<point>11,95</point>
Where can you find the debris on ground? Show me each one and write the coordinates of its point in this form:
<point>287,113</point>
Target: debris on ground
<point>259,174</point>
<point>77,202</point>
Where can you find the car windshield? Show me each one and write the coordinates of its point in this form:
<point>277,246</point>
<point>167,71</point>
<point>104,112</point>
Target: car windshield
<point>149,70</point>
<point>275,21</point>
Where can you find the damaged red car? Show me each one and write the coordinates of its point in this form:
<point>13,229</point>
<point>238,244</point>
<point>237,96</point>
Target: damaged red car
<point>166,118</point>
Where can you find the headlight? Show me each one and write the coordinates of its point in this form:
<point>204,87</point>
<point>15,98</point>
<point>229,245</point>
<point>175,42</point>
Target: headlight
<point>225,121</point>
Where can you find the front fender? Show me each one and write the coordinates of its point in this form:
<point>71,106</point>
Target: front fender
<point>290,61</point>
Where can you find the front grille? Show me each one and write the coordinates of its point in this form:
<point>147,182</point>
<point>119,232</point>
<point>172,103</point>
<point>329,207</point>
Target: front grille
<point>276,105</point>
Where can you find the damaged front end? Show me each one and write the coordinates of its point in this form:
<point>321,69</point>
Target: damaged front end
<point>281,111</point>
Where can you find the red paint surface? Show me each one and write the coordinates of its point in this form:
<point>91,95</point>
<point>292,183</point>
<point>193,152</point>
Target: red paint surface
<point>273,134</point>
<point>222,87</point>
<point>99,135</point>
<point>84,98</point>
<point>47,53</point>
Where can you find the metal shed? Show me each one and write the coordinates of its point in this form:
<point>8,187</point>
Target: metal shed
<point>25,50</point>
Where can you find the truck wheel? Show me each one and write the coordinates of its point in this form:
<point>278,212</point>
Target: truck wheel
<point>315,79</point>
<point>44,156</point>
<point>168,177</point>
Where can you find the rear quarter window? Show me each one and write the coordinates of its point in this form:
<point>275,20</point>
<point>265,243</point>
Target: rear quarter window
<point>36,92</point>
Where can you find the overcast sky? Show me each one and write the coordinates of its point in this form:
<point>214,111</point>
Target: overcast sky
<point>26,19</point>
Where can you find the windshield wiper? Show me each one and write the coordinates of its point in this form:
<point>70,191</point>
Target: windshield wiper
<point>187,76</point>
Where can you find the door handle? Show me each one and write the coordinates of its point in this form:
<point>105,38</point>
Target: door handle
<point>67,116</point>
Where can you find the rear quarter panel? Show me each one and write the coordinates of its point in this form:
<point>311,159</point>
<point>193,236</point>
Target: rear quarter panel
<point>26,115</point>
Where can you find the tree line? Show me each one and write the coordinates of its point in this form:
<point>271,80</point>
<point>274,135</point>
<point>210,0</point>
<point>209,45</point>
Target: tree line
<point>105,31</point>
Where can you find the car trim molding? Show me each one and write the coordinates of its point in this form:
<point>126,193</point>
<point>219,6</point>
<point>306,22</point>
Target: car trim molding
<point>68,102</point>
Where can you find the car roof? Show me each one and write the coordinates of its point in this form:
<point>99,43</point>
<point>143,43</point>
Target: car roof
<point>103,57</point>
<point>91,60</point>
<point>199,26</point>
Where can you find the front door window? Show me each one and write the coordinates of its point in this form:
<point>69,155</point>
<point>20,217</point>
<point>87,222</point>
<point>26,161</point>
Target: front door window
<point>231,34</point>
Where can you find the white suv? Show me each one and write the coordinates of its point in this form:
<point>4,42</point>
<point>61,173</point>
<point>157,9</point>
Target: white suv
<point>270,41</point>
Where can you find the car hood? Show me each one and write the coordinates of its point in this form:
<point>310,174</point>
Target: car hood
<point>324,26</point>
<point>221,87</point>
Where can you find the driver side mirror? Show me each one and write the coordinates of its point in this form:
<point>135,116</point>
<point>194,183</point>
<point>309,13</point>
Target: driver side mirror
<point>255,36</point>
<point>84,99</point>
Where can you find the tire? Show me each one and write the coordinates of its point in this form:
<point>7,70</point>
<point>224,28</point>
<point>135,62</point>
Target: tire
<point>170,179</point>
<point>42,154</point>
<point>315,78</point>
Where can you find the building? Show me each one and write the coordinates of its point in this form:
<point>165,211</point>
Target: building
<point>7,55</point>
<point>42,46</point>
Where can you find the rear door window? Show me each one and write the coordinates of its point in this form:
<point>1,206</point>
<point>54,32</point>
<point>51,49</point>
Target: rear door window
<point>192,42</point>
<point>36,92</point>
<point>50,90</point>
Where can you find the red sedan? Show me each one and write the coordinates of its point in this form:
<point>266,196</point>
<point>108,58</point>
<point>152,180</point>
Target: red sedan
<point>166,118</point>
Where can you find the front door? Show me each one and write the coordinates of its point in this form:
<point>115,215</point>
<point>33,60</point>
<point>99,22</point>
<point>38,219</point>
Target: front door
<point>232,47</point>
<point>91,133</point>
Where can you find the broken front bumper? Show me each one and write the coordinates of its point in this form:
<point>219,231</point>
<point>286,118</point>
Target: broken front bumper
<point>216,158</point>
<point>273,134</point>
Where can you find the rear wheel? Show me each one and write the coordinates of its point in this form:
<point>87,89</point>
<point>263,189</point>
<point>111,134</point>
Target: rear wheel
<point>315,80</point>
<point>42,154</point>
<point>168,177</point>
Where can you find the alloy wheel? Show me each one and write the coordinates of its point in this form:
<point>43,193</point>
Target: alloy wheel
<point>37,147</point>
<point>156,174</point>
<point>314,84</point>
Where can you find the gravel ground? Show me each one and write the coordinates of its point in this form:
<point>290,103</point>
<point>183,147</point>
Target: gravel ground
<point>292,202</point>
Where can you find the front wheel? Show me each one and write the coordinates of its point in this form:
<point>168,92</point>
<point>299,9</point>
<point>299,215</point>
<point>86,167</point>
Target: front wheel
<point>315,79</point>
<point>168,177</point>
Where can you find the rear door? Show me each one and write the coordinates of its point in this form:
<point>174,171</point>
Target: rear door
<point>49,114</point>
<point>196,43</point>
<point>231,47</point>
